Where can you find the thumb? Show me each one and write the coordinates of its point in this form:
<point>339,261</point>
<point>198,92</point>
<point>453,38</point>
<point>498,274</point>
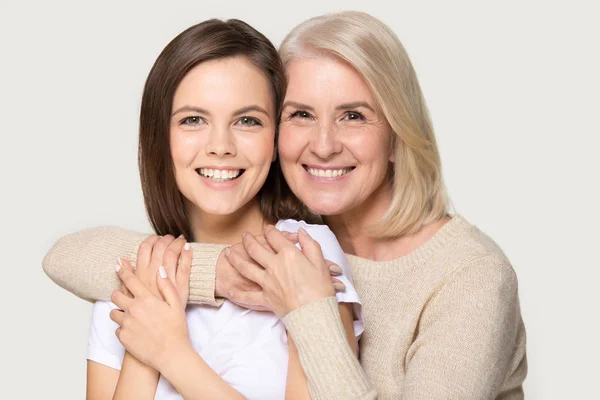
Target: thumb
<point>167,289</point>
<point>310,248</point>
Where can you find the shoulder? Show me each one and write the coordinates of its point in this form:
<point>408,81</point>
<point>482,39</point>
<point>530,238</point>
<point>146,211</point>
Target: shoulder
<point>475,256</point>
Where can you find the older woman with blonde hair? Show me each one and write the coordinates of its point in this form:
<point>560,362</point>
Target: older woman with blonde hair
<point>356,145</point>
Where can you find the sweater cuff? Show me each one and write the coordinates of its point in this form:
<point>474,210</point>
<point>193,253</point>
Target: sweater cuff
<point>332,369</point>
<point>203,274</point>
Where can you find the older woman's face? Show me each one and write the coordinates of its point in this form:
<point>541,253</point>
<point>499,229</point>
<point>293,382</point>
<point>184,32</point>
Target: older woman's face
<point>334,143</point>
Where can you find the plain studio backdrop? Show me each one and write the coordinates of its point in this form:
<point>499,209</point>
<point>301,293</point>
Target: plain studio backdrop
<point>513,91</point>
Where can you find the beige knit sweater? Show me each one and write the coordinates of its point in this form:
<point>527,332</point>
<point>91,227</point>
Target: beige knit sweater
<point>442,322</point>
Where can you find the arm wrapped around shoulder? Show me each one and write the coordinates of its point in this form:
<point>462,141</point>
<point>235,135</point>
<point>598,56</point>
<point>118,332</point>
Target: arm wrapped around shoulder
<point>84,262</point>
<point>471,338</point>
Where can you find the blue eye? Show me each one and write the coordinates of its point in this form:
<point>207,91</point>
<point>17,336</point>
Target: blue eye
<point>191,121</point>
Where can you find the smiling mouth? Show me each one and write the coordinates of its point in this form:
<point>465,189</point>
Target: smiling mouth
<point>327,173</point>
<point>220,175</point>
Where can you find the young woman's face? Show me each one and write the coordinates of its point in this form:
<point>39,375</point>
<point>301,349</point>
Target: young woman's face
<point>222,134</point>
<point>334,144</point>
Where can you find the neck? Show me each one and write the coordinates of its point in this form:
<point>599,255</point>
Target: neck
<point>351,230</point>
<point>226,229</point>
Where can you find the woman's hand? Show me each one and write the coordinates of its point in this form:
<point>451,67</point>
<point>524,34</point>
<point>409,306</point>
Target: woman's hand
<point>153,329</point>
<point>289,277</point>
<point>173,254</point>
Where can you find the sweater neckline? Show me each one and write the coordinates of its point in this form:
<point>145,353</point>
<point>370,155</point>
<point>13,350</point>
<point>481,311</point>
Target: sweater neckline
<point>446,234</point>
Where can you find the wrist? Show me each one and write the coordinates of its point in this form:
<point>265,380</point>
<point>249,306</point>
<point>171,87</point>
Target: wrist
<point>174,358</point>
<point>220,291</point>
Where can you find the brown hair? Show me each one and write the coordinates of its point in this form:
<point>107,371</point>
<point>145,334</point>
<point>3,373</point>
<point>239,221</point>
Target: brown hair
<point>209,40</point>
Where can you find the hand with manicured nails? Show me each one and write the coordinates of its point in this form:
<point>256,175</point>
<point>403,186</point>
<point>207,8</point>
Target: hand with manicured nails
<point>153,327</point>
<point>289,277</point>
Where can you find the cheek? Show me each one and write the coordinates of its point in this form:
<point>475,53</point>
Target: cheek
<point>184,148</point>
<point>290,144</point>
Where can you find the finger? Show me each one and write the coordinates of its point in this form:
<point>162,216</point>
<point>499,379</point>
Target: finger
<point>124,263</point>
<point>158,251</point>
<point>276,239</point>
<point>145,250</point>
<point>167,289</point>
<point>118,316</point>
<point>182,275</point>
<point>262,240</point>
<point>131,282</point>
<point>334,269</point>
<point>252,300</point>
<point>247,268</point>
<point>257,251</point>
<point>310,248</point>
<point>292,237</point>
<point>120,300</point>
<point>338,285</point>
<point>171,257</point>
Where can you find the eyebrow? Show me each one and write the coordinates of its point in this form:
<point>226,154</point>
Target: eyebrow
<point>346,106</point>
<point>298,105</point>
<point>242,110</point>
<point>356,104</point>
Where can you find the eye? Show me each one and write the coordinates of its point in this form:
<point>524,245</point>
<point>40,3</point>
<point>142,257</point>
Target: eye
<point>192,121</point>
<point>248,121</point>
<point>353,116</point>
<point>300,114</point>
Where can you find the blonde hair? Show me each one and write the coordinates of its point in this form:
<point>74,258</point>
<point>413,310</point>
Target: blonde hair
<point>372,49</point>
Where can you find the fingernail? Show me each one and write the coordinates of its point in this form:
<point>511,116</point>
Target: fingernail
<point>244,234</point>
<point>117,267</point>
<point>227,252</point>
<point>119,262</point>
<point>303,231</point>
<point>335,269</point>
<point>163,272</point>
<point>186,246</point>
<point>339,287</point>
<point>181,236</point>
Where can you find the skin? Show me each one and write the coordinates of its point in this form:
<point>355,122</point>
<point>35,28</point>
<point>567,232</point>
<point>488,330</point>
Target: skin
<point>330,121</point>
<point>214,125</point>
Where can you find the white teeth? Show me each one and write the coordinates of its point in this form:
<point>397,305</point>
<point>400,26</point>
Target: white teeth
<point>220,175</point>
<point>328,173</point>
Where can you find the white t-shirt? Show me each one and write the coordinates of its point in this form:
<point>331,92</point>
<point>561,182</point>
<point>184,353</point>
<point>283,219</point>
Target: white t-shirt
<point>248,349</point>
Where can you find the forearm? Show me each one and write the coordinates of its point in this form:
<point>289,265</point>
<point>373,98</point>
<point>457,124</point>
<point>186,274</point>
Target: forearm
<point>83,263</point>
<point>136,380</point>
<point>331,367</point>
<point>194,379</point>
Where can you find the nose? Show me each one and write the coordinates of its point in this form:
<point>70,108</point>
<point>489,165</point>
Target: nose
<point>221,143</point>
<point>325,142</point>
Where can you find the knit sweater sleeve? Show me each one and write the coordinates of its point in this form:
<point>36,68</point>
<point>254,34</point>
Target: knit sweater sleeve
<point>467,335</point>
<point>83,263</point>
<point>332,370</point>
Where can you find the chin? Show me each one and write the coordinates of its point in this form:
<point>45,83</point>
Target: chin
<point>327,206</point>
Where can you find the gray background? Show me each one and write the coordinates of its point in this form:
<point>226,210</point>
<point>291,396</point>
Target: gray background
<point>513,90</point>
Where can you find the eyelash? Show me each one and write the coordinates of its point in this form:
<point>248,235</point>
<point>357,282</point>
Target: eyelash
<point>188,121</point>
<point>255,122</point>
<point>348,113</point>
<point>195,121</point>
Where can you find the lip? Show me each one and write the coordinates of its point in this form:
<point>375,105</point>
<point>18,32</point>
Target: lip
<point>324,179</point>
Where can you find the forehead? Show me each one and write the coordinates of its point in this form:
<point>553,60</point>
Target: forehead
<point>325,79</point>
<point>232,82</point>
